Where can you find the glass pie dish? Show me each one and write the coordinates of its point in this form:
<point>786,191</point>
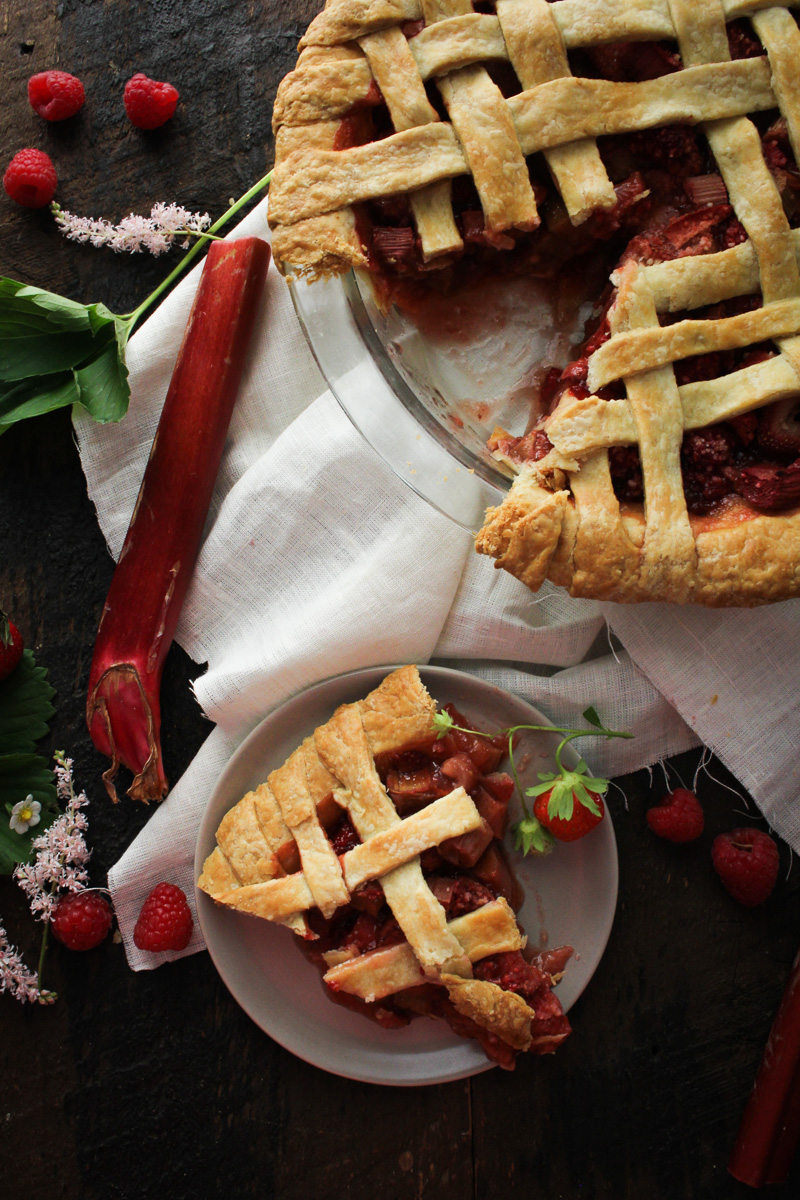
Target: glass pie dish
<point>427,393</point>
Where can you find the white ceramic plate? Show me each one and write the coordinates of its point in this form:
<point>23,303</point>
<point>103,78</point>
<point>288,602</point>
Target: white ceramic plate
<point>570,897</point>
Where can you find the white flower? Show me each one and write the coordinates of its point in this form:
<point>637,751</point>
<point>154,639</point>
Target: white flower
<point>24,814</point>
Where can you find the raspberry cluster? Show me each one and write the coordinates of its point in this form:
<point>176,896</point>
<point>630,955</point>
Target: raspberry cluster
<point>746,860</point>
<point>30,179</point>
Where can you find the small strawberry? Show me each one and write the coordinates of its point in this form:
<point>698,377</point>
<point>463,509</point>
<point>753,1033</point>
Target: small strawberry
<point>11,646</point>
<point>678,817</point>
<point>165,922</point>
<point>571,806</point>
<point>81,920</point>
<point>746,861</point>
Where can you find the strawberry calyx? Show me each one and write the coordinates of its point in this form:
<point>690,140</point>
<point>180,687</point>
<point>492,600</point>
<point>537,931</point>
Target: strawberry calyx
<point>568,787</point>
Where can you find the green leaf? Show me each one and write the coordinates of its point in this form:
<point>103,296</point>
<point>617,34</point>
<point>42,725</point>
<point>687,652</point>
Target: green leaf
<point>39,395</point>
<point>25,707</point>
<point>103,385</point>
<point>590,715</point>
<point>56,353</point>
<point>22,775</point>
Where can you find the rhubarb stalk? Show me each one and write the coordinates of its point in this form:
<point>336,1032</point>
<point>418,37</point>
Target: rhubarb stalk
<point>768,1134</point>
<point>149,584</point>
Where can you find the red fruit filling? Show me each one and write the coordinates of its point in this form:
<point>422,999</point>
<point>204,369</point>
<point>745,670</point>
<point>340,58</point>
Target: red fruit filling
<point>464,873</point>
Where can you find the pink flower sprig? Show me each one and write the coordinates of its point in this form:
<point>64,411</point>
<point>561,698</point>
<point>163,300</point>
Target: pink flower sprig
<point>61,853</point>
<point>59,865</point>
<point>16,978</point>
<point>134,233</point>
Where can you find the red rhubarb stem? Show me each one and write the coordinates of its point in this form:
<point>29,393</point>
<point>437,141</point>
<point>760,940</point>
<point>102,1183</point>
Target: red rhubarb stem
<point>770,1127</point>
<point>149,584</point>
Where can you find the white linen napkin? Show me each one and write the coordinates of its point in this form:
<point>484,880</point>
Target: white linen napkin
<point>318,560</point>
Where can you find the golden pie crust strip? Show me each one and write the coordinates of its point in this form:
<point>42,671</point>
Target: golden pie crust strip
<point>627,354</point>
<point>343,747</point>
<point>491,929</point>
<point>502,1013</point>
<point>580,425</point>
<point>537,53</point>
<point>277,899</point>
<point>311,182</point>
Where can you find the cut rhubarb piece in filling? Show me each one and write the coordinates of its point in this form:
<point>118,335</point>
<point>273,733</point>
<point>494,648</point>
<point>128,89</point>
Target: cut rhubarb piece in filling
<point>380,844</point>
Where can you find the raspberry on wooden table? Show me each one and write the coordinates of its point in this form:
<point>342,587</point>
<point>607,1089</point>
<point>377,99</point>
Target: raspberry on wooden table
<point>165,922</point>
<point>31,179</point>
<point>678,817</point>
<point>746,861</point>
<point>149,103</point>
<point>81,920</point>
<point>55,95</point>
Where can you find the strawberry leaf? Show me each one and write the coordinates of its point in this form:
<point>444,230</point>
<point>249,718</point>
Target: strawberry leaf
<point>25,710</point>
<point>590,715</point>
<point>25,707</point>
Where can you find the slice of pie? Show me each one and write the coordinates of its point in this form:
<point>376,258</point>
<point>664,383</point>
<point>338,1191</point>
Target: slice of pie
<point>379,844</point>
<point>641,156</point>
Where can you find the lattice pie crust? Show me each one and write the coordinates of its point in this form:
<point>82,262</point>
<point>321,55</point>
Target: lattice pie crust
<point>273,860</point>
<point>562,520</point>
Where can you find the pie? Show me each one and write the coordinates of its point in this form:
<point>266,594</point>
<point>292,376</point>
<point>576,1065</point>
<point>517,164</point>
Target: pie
<point>379,844</point>
<point>640,155</point>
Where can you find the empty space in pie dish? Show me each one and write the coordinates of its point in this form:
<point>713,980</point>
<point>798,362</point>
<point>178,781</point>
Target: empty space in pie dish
<point>570,898</point>
<point>427,392</point>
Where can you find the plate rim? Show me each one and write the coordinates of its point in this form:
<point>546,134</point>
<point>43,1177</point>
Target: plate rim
<point>205,905</point>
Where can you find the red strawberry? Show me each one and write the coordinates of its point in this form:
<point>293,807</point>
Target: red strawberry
<point>81,920</point>
<point>746,861</point>
<point>678,817</point>
<point>569,828</point>
<point>11,646</point>
<point>165,922</point>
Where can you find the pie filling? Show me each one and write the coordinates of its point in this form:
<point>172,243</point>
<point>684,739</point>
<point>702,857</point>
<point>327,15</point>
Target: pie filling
<point>380,845</point>
<point>464,873</point>
<point>671,203</point>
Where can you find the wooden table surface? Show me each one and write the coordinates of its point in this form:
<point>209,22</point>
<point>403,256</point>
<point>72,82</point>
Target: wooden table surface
<point>157,1084</point>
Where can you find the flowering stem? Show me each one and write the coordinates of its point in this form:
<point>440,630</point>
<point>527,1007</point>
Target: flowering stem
<point>134,317</point>
<point>42,953</point>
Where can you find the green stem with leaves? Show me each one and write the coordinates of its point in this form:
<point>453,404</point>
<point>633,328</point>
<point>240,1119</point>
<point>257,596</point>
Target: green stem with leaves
<point>195,250</point>
<point>529,832</point>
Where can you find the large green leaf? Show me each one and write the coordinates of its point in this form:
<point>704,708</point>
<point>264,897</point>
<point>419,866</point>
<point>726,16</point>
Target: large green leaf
<point>23,775</point>
<point>32,397</point>
<point>25,707</point>
<point>56,353</point>
<point>103,385</point>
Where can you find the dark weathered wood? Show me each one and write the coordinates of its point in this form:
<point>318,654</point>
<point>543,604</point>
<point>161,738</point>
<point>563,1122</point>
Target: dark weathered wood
<point>157,1084</point>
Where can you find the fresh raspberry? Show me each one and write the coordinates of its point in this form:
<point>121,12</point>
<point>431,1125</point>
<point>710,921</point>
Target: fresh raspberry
<point>678,817</point>
<point>165,922</point>
<point>746,861</point>
<point>55,95</point>
<point>148,103</point>
<point>31,178</point>
<point>81,920</point>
